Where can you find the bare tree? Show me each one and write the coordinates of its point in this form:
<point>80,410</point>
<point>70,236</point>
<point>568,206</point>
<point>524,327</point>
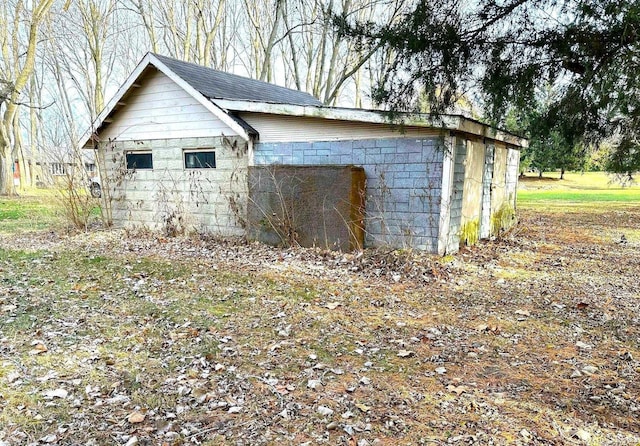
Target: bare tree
<point>18,65</point>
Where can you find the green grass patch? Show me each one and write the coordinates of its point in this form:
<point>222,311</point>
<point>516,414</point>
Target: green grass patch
<point>584,196</point>
<point>589,189</point>
<point>27,213</point>
<point>576,181</point>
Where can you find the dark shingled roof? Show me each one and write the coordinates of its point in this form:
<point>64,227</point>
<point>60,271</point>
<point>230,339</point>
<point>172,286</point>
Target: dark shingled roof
<point>214,84</point>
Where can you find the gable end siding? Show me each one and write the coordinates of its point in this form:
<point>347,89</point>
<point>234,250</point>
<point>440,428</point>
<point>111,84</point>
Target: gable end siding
<point>161,109</point>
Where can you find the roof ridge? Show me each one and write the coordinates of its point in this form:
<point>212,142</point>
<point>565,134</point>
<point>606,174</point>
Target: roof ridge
<point>302,96</point>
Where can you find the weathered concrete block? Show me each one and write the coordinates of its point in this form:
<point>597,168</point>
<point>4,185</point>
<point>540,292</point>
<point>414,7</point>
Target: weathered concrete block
<point>407,145</point>
<point>404,183</point>
<point>314,159</point>
<point>189,143</point>
<point>401,206</point>
<point>374,158</point>
<point>297,157</point>
<point>386,142</point>
<point>358,157</point>
<point>387,150</point>
<point>283,149</point>
<point>364,143</point>
<point>323,152</point>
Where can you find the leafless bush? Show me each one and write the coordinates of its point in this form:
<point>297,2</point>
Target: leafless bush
<point>76,203</point>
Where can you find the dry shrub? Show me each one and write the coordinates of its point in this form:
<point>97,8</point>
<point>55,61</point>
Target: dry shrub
<point>76,203</point>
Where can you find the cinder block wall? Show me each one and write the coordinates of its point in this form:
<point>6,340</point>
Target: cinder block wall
<point>211,200</point>
<point>404,183</point>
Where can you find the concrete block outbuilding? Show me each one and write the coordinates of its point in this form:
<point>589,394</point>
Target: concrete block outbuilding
<point>177,141</point>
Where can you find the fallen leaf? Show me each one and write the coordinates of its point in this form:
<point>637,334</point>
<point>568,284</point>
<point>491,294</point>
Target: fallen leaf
<point>12,377</point>
<point>38,349</point>
<point>333,305</point>
<point>51,438</point>
<point>458,390</point>
<point>57,393</point>
<point>582,435</point>
<point>324,411</point>
<point>136,417</point>
<point>363,407</point>
<point>405,353</point>
<point>582,305</point>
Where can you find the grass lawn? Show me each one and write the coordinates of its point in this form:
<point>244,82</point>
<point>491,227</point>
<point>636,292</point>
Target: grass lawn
<point>38,209</point>
<point>576,189</point>
<point>111,337</point>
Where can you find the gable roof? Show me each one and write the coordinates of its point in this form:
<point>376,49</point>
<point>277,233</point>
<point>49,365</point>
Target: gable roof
<point>206,86</point>
<point>214,84</point>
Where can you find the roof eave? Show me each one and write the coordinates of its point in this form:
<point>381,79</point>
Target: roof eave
<point>455,123</point>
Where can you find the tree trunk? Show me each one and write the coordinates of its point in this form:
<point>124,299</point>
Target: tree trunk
<point>105,209</point>
<point>18,150</point>
<point>6,167</point>
<point>147,21</point>
<point>6,161</point>
<point>33,134</point>
<point>562,174</point>
<point>265,72</point>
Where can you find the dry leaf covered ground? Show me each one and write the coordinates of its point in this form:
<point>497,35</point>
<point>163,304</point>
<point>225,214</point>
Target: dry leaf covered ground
<point>120,338</point>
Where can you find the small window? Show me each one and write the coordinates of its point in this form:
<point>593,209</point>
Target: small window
<point>200,159</point>
<point>139,160</point>
<point>58,169</point>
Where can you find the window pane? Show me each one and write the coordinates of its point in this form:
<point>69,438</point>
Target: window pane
<point>200,160</point>
<point>139,161</point>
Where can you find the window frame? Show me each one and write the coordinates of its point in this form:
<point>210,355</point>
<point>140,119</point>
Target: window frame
<point>186,152</point>
<point>58,169</point>
<point>137,153</point>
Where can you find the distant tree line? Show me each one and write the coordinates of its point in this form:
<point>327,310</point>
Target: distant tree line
<point>565,73</point>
